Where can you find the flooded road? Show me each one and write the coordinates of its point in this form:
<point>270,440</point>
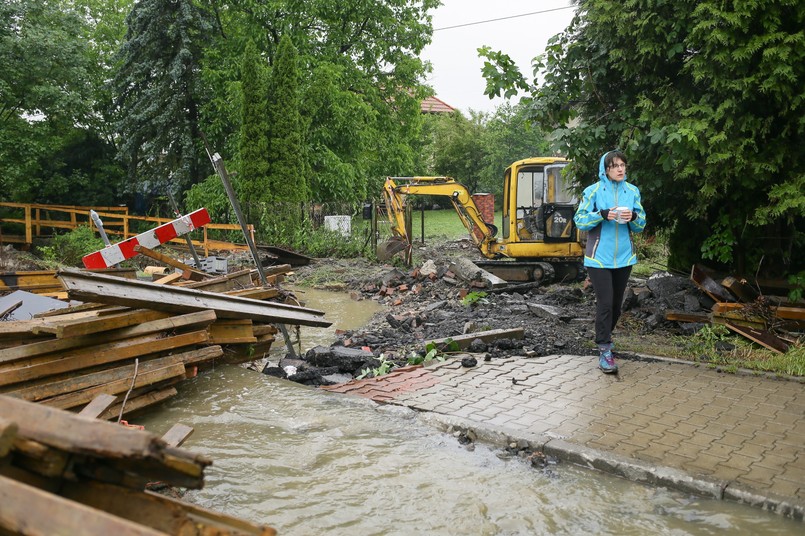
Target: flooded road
<point>310,462</point>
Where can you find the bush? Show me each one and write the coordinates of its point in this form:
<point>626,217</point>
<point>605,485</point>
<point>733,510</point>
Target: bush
<point>69,248</point>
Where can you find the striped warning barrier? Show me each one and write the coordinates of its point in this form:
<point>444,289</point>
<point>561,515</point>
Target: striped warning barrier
<point>121,251</point>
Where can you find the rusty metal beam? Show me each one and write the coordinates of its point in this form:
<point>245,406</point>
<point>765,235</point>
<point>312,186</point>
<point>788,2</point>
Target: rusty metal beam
<point>99,288</point>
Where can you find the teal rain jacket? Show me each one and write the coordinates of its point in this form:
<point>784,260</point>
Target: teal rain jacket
<point>609,243</point>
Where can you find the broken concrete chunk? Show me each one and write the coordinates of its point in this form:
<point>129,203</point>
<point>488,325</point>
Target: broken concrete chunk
<point>428,268</point>
<point>545,311</point>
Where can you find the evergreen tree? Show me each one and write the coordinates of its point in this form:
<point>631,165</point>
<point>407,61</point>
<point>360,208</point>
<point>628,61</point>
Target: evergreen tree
<point>287,182</point>
<point>252,179</point>
<point>159,93</point>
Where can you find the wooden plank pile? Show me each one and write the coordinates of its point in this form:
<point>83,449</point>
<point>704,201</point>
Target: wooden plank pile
<point>136,340</point>
<point>45,282</point>
<point>62,473</point>
<point>770,321</point>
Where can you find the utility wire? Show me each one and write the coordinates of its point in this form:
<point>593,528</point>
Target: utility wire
<point>503,18</point>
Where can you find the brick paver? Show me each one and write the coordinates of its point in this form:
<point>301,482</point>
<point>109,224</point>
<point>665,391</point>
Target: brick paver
<point>742,429</point>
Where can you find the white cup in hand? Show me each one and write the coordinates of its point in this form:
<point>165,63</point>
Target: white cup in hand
<point>623,214</point>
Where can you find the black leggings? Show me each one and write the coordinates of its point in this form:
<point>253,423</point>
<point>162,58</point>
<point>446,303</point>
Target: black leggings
<point>609,285</point>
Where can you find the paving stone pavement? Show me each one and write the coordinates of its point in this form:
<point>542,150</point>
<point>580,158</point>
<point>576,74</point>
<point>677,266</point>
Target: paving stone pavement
<point>743,434</point>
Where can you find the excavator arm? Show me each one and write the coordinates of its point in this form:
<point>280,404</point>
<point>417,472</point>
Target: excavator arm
<point>481,232</point>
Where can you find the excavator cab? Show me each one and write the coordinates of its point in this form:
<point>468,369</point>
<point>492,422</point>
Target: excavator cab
<point>541,202</point>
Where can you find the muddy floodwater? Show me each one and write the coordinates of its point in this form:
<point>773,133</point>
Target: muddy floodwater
<point>310,462</point>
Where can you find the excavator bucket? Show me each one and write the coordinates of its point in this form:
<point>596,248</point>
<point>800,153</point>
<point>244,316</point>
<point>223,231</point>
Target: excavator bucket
<point>389,248</point>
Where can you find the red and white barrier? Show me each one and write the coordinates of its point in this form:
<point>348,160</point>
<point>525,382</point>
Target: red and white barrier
<point>121,251</point>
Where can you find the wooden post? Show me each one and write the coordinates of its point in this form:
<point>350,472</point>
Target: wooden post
<point>29,239</point>
<point>37,217</point>
<point>422,220</point>
<point>373,225</point>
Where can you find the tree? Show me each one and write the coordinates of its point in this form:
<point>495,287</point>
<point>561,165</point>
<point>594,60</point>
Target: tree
<point>359,81</point>
<point>707,99</point>
<point>287,181</point>
<point>253,156</point>
<point>159,92</point>
<point>44,86</point>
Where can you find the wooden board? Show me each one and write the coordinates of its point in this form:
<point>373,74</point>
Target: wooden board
<point>40,367</point>
<point>171,323</point>
<point>73,328</point>
<point>94,287</point>
<point>463,341</point>
<point>763,338</point>
<point>231,332</point>
<point>28,510</point>
<point>160,512</point>
<point>709,286</point>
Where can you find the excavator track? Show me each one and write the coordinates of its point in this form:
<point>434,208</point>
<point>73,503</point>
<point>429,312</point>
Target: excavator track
<point>545,272</point>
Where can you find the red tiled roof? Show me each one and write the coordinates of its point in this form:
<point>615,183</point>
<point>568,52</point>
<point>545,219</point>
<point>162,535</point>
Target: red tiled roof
<point>432,105</point>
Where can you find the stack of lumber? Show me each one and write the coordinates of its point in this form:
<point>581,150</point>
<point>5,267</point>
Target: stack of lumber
<point>769,321</point>
<point>137,340</point>
<point>62,473</point>
<point>45,282</point>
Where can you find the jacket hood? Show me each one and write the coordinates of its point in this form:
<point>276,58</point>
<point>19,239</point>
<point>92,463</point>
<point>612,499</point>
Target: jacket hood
<point>602,170</point>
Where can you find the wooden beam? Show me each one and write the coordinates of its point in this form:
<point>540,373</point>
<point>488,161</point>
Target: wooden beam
<point>708,285</point>
<point>8,433</point>
<point>463,341</point>
<point>763,338</point>
<point>160,512</point>
<point>231,332</point>
<point>74,328</point>
<point>99,288</point>
<point>111,381</point>
<point>177,435</point>
<point>68,432</point>
<point>140,400</point>
<point>39,367</point>
<point>683,316</point>
<point>98,405</point>
<point>170,261</point>
<point>742,291</point>
<point>147,377</point>
<point>171,323</point>
<point>168,279</point>
<point>31,511</point>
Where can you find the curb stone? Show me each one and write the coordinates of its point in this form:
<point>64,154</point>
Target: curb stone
<point>630,469</point>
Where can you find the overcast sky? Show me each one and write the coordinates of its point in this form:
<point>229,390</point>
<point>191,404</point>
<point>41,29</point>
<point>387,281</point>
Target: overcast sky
<point>456,75</point>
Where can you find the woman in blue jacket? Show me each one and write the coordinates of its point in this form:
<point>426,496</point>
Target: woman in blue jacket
<point>610,211</point>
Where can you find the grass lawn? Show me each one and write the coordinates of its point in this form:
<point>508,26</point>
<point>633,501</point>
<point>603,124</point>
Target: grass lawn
<point>443,223</point>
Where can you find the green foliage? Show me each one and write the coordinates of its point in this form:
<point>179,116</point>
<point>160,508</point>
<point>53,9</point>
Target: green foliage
<point>449,345</point>
<point>384,368</point>
<point>477,150</point>
<point>706,98</point>
<point>798,280</point>
<point>287,167</point>
<point>69,248</point>
<point>159,91</point>
<point>703,343</point>
<point>45,86</point>
<point>474,297</point>
<point>652,252</point>
<point>253,156</point>
<point>430,355</point>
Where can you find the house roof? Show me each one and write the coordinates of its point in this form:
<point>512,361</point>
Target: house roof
<point>432,105</point>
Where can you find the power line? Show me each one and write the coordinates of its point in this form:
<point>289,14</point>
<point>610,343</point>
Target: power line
<point>503,18</point>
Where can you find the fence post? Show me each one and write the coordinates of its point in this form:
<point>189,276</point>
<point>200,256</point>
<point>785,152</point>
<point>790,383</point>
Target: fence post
<point>29,239</point>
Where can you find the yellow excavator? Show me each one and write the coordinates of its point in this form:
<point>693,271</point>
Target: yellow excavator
<point>539,241</point>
